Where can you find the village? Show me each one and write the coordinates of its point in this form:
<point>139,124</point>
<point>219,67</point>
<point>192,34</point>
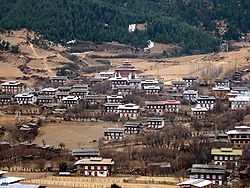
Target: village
<point>161,129</point>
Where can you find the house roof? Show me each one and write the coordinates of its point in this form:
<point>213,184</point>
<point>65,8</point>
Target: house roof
<point>152,87</point>
<point>9,180</point>
<point>196,182</point>
<point>190,78</point>
<point>130,123</point>
<point>172,102</point>
<point>115,130</point>
<point>11,83</point>
<point>70,98</point>
<point>49,89</point>
<point>18,185</point>
<point>24,95</point>
<point>154,102</point>
<point>178,83</point>
<point>129,106</point>
<point>226,151</point>
<point>205,97</point>
<point>208,169</point>
<point>85,152</point>
<point>95,161</point>
<point>155,119</point>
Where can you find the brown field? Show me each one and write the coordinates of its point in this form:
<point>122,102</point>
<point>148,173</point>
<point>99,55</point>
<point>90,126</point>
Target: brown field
<point>94,182</point>
<point>38,58</point>
<point>168,68</point>
<point>175,68</point>
<point>73,134</point>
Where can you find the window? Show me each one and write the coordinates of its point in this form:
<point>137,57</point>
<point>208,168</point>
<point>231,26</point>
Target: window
<point>98,168</point>
<point>92,167</point>
<point>105,168</point>
<point>86,167</point>
<point>207,176</point>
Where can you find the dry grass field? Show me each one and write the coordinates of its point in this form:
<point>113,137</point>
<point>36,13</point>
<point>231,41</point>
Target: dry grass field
<point>175,68</point>
<point>73,134</point>
<point>38,58</point>
<point>94,182</point>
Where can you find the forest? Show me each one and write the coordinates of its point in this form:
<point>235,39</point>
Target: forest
<point>198,26</point>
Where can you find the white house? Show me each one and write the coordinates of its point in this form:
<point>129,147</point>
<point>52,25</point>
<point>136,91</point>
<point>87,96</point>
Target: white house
<point>70,101</point>
<point>25,98</point>
<point>239,102</point>
<point>130,111</point>
<point>206,101</point>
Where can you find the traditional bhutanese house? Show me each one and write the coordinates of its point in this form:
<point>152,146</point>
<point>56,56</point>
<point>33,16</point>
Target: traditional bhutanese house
<point>172,106</point>
<point>135,82</point>
<point>25,98</point>
<point>221,83</point>
<point>5,99</point>
<point>129,111</point>
<point>224,156</point>
<point>232,94</point>
<point>239,102</point>
<point>215,173</point>
<point>59,111</point>
<point>106,74</point>
<point>114,133</point>
<point>220,92</point>
<point>58,79</point>
<point>14,182</point>
<point>242,90</point>
<point>49,91</point>
<point>64,89</point>
<point>196,183</point>
<point>41,99</point>
<point>176,96</point>
<point>84,153</point>
<point>190,96</point>
<point>70,101</point>
<point>149,82</point>
<point>118,81</point>
<point>80,86</point>
<point>152,90</point>
<point>190,80</point>
<point>178,85</point>
<point>125,90</point>
<point>127,70</point>
<point>206,101</point>
<point>95,166</point>
<point>60,95</point>
<point>92,99</point>
<point>240,136</point>
<point>155,107</point>
<point>12,87</point>
<point>133,127</point>
<point>199,112</point>
<point>155,122</point>
<point>115,99</point>
<point>79,92</point>
<point>96,80</point>
<point>111,107</point>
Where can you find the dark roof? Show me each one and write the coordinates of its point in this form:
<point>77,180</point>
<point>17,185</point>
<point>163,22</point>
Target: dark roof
<point>208,169</point>
<point>155,119</point>
<point>5,97</point>
<point>85,152</point>
<point>132,124</point>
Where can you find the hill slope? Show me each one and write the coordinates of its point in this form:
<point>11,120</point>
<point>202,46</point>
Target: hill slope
<point>194,25</point>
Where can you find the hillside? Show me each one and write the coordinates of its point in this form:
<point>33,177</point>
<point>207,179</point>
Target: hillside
<point>194,25</point>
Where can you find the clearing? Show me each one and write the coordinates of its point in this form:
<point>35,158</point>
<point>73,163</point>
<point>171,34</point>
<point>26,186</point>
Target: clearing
<point>73,134</point>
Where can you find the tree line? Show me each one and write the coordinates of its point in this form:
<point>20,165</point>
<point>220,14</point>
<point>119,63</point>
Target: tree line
<point>190,24</point>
